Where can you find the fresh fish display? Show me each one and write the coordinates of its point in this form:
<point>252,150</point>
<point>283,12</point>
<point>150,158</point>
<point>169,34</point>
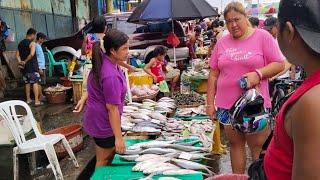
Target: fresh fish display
<point>156,144</point>
<point>136,120</point>
<point>158,151</point>
<point>180,172</point>
<point>145,111</point>
<point>135,104</point>
<point>132,151</point>
<point>191,165</point>
<point>188,99</point>
<point>168,178</point>
<point>186,148</point>
<point>133,108</point>
<point>140,116</point>
<point>158,116</point>
<point>149,101</point>
<point>141,166</point>
<point>129,157</point>
<point>146,157</point>
<point>159,168</point>
<point>145,129</point>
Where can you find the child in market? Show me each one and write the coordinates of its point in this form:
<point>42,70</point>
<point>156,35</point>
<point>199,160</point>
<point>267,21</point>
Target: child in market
<point>157,67</point>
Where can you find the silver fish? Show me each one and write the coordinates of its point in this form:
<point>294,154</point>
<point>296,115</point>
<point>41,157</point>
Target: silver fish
<point>186,148</point>
<point>136,120</point>
<point>158,116</point>
<point>157,144</point>
<point>158,151</point>
<point>129,157</point>
<point>141,166</point>
<point>140,116</point>
<point>132,152</point>
<point>149,100</point>
<point>192,165</point>
<point>159,168</point>
<point>168,178</point>
<point>145,129</point>
<point>180,172</point>
<point>146,157</point>
<point>135,104</point>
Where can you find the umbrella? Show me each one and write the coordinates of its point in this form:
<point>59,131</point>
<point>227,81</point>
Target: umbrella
<point>164,10</point>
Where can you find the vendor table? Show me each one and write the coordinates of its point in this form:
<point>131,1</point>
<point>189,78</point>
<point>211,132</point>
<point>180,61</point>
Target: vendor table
<point>121,170</point>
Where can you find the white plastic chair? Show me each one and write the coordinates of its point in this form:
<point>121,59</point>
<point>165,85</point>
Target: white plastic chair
<point>41,142</point>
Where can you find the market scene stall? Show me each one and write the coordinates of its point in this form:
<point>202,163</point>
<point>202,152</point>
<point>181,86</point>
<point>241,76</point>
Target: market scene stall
<point>156,89</point>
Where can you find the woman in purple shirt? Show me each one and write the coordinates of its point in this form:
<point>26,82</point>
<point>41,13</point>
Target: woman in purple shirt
<point>106,93</point>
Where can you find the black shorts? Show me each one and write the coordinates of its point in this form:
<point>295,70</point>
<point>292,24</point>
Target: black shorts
<point>108,142</point>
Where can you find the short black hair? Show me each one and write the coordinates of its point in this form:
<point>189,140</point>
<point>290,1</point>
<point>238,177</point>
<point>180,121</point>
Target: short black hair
<point>159,50</point>
<point>31,31</point>
<point>221,23</point>
<point>99,24</point>
<point>254,21</point>
<point>215,23</point>
<point>41,35</point>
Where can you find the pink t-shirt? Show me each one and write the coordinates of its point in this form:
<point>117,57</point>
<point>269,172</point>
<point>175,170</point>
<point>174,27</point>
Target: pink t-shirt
<point>235,58</point>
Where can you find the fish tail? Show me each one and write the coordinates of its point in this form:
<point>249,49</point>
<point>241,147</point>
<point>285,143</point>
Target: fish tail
<point>211,173</point>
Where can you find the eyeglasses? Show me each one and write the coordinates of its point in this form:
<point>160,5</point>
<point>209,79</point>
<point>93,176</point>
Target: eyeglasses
<point>231,21</point>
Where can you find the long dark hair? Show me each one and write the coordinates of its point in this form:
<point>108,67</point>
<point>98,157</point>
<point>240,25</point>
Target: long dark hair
<point>113,39</point>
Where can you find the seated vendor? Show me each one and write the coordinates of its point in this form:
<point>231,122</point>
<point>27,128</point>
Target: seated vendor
<point>156,68</point>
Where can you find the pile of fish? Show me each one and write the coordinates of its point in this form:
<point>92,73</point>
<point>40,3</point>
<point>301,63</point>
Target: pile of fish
<point>148,116</point>
<point>192,99</point>
<point>189,112</point>
<point>167,157</point>
<point>196,129</point>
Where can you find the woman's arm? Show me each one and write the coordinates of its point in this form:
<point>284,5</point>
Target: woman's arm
<point>287,67</point>
<point>303,128</point>
<point>253,78</point>
<point>211,91</point>
<point>272,69</point>
<point>127,66</point>
<point>115,122</point>
<point>81,103</point>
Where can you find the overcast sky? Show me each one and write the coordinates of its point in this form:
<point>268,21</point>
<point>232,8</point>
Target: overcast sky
<point>220,4</point>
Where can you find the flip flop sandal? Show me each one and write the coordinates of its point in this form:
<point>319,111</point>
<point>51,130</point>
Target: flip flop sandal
<point>40,104</point>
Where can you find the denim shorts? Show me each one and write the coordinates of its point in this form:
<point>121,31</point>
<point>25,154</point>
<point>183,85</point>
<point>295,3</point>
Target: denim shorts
<point>224,116</point>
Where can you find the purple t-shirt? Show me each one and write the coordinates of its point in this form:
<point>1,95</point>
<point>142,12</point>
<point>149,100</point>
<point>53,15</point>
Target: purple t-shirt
<point>111,90</point>
<point>235,58</point>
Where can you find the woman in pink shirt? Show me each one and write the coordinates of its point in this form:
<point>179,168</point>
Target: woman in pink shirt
<point>245,52</point>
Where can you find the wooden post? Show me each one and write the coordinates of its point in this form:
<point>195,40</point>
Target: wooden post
<point>109,6</point>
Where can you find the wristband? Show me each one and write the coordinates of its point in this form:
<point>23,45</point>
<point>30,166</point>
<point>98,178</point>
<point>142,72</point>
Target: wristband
<point>259,73</point>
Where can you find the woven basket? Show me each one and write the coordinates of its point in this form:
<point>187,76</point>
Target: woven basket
<point>56,97</point>
<point>139,99</point>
